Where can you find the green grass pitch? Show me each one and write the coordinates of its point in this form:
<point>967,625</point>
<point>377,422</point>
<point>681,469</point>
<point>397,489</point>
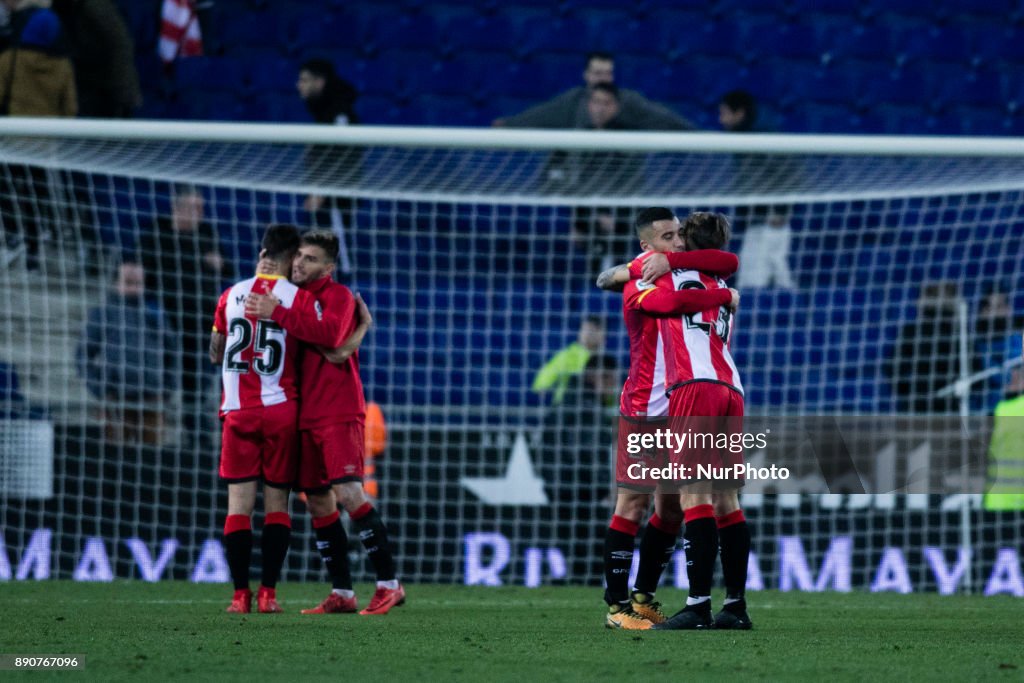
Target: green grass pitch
<point>135,630</point>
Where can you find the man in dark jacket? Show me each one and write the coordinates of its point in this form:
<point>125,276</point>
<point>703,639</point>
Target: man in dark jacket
<point>126,359</point>
<point>104,58</point>
<point>186,267</point>
<point>569,110</point>
<point>36,79</point>
<point>605,233</point>
<point>926,358</point>
<point>331,100</point>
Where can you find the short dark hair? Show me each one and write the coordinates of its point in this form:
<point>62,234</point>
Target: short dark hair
<point>706,230</point>
<point>648,216</point>
<point>594,320</point>
<point>326,240</point>
<point>185,190</point>
<point>597,54</point>
<point>609,88</point>
<point>319,67</point>
<point>741,99</point>
<point>280,241</point>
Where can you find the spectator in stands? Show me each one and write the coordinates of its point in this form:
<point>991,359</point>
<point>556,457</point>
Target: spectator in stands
<point>571,360</point>
<point>575,464</point>
<point>570,109</point>
<point>768,234</point>
<point>186,267</point>
<point>737,111</point>
<point>36,79</point>
<point>926,358</point>
<point>104,58</point>
<point>765,249</point>
<point>126,359</point>
<point>331,100</point>
<point>1006,464</point>
<point>581,425</point>
<point>997,339</point>
<point>605,233</point>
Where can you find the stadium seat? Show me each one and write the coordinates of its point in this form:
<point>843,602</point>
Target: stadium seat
<point>264,29</point>
<point>949,44</point>
<point>905,87</point>
<point>997,43</point>
<point>805,83</point>
<point>999,10</point>
<point>563,35</point>
<point>770,40</point>
<point>685,35</point>
<point>860,42</point>
<point>979,89</point>
<point>821,118</point>
<point>311,32</point>
<point>465,34</point>
<point>849,9</point>
<point>212,74</point>
<point>384,32</point>
<point>271,74</point>
<point>626,37</point>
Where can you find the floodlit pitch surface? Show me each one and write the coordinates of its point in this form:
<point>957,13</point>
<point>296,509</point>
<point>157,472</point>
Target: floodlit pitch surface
<point>178,630</point>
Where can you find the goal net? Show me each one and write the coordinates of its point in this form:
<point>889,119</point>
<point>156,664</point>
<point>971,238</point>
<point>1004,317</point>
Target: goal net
<point>879,277</point>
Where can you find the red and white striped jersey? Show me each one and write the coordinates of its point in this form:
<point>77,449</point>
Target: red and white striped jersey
<point>260,366</point>
<point>697,344</point>
<point>644,393</point>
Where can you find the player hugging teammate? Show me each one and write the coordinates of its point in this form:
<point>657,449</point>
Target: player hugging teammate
<point>678,317</point>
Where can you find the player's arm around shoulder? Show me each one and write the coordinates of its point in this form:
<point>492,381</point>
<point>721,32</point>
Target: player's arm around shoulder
<point>307,319</point>
<point>614,279</point>
<point>343,352</point>
<point>218,339</point>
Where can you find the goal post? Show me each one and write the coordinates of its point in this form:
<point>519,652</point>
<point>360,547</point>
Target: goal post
<point>477,251</point>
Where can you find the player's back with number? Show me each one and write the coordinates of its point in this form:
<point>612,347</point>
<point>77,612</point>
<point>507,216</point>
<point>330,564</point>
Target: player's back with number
<point>260,361</point>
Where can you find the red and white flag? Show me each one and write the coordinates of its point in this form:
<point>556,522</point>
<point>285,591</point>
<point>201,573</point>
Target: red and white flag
<point>179,31</point>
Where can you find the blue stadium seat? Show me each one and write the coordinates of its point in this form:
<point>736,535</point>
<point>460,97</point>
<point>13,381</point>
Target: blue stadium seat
<point>851,9</point>
<point>831,85</point>
<point>623,35</point>
<point>393,73</point>
<point>906,87</point>
<point>979,89</point>
<point>977,121</point>
<point>469,33</point>
<point>999,10</point>
<point>949,44</point>
<point>264,29</point>
<point>312,32</point>
<point>685,35</point>
<point>860,42</point>
<point>658,8</point>
<point>562,35</point>
<point>214,74</point>
<point>821,118</point>
<point>656,78</point>
<point>751,7</point>
<point>457,77</point>
<point>998,43</point>
<point>775,40</point>
<point>271,74</point>
<point>384,32</point>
